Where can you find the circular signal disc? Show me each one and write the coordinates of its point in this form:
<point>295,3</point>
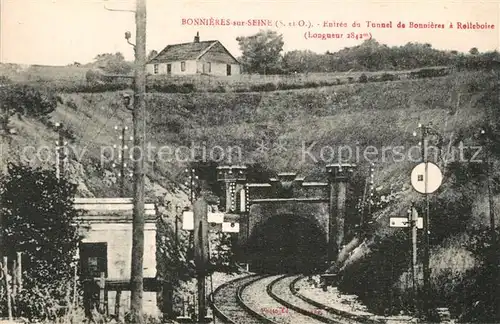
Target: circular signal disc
<point>434,177</point>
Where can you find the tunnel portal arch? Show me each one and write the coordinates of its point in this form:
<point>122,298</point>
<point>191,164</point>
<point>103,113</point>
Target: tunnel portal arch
<point>290,240</point>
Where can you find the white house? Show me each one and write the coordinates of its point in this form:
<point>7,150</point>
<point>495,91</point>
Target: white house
<point>207,57</point>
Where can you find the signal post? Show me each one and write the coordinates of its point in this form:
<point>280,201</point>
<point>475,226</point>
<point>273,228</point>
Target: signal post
<point>234,178</point>
<point>338,176</point>
<point>200,229</point>
<point>200,221</point>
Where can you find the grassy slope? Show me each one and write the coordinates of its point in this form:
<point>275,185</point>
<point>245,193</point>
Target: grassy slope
<point>353,114</point>
<point>378,114</point>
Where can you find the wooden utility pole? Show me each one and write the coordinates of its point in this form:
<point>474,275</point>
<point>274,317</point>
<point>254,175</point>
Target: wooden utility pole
<point>426,270</point>
<point>4,154</point>
<point>370,194</point>
<point>178,215</point>
<point>122,160</point>
<point>191,174</point>
<point>494,258</point>
<point>61,152</point>
<point>490,197</point>
<point>5,267</point>
<point>413,217</point>
<point>139,122</point>
<point>200,211</point>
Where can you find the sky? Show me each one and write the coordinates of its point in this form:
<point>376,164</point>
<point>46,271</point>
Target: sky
<point>60,32</point>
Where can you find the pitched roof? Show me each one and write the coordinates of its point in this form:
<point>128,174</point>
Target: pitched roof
<point>185,51</point>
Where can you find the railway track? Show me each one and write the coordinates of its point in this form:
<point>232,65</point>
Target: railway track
<point>228,305</point>
<point>282,290</point>
<point>273,299</point>
<point>331,310</point>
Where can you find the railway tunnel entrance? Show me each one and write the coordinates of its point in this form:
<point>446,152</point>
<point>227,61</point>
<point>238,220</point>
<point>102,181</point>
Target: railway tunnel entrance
<point>287,243</point>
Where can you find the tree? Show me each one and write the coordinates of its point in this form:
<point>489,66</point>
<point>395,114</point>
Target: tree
<point>113,63</point>
<point>261,52</point>
<point>95,76</point>
<point>474,51</point>
<point>304,61</point>
<point>25,100</point>
<point>38,221</point>
<point>151,55</point>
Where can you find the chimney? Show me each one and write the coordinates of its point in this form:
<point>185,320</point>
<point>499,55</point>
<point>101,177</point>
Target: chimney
<point>197,37</point>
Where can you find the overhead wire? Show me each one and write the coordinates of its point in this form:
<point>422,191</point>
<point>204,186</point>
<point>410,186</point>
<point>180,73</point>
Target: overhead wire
<point>101,129</point>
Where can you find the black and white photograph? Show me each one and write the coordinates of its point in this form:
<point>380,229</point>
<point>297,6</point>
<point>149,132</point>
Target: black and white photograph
<point>237,161</point>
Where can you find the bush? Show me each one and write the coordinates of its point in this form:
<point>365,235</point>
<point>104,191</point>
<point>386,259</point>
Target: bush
<point>288,86</point>
<point>5,79</point>
<point>387,77</point>
<point>171,88</point>
<point>27,100</point>
<point>43,232</point>
<point>238,90</point>
<point>429,73</point>
<point>71,104</point>
<point>91,88</point>
<point>311,85</point>
<point>219,89</point>
<point>263,87</point>
<point>363,78</point>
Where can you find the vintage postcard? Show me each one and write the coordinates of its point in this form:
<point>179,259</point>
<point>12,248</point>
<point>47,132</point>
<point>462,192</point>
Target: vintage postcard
<point>175,161</point>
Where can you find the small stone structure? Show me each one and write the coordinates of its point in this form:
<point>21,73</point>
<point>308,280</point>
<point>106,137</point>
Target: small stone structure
<point>106,225</point>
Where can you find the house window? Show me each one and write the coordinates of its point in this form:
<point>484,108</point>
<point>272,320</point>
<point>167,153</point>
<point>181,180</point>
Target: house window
<point>183,66</point>
<point>169,68</point>
<point>155,69</point>
<point>209,67</point>
<point>228,69</point>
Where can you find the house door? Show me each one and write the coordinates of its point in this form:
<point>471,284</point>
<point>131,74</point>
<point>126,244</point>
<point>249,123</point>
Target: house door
<point>169,68</point>
<point>228,69</point>
<point>94,259</point>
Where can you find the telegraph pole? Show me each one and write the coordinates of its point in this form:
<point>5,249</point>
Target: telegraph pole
<point>426,178</point>
<point>490,194</point>
<point>426,257</point>
<point>60,153</point>
<point>371,188</point>
<point>5,142</point>
<point>139,124</point>
<point>494,258</point>
<point>413,217</point>
<point>121,156</point>
<point>178,214</point>
<point>191,173</point>
<point>122,163</point>
<point>200,210</point>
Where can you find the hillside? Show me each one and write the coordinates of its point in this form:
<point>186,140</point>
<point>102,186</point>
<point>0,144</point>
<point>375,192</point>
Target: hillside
<point>351,116</point>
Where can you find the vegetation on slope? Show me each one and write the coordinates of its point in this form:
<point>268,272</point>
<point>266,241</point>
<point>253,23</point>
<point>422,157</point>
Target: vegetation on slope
<point>347,115</point>
<point>458,106</point>
<point>461,277</point>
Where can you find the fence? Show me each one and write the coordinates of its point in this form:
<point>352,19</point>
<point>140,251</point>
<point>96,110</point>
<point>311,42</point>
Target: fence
<point>96,294</point>
<point>12,282</point>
